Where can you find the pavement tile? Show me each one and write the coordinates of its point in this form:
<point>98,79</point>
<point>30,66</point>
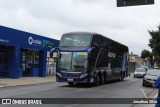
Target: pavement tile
<point>6,82</point>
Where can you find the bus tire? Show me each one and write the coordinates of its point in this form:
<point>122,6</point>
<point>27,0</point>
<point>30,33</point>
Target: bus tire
<point>70,83</point>
<point>122,76</point>
<point>102,80</point>
<point>97,82</point>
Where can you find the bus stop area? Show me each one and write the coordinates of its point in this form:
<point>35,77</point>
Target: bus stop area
<point>7,82</point>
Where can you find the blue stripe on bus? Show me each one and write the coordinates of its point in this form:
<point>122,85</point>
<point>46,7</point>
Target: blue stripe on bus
<point>73,49</point>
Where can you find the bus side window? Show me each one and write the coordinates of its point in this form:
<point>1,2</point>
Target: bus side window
<point>95,41</point>
<point>102,41</point>
<point>98,41</point>
<point>105,43</point>
<point>111,46</point>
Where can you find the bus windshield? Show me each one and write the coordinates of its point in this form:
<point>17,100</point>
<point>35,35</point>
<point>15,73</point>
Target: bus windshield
<point>73,61</point>
<point>79,61</point>
<point>65,60</point>
<point>76,40</point>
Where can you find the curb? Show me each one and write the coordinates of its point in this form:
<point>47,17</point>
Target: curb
<point>25,84</point>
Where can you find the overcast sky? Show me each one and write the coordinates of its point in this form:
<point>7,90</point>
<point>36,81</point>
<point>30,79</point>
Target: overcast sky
<point>52,18</point>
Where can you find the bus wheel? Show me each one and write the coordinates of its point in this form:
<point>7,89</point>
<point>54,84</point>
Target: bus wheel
<point>102,80</point>
<point>70,83</point>
<point>97,82</point>
<point>122,76</point>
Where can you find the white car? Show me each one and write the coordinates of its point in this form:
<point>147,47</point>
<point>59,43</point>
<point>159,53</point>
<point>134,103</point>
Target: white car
<point>139,72</point>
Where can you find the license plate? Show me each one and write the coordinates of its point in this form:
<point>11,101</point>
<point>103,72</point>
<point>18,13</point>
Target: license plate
<point>69,79</point>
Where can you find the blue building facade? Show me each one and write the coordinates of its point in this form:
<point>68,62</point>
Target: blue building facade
<point>23,54</point>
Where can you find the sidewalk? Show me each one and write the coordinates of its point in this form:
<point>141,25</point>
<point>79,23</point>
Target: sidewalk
<point>7,82</point>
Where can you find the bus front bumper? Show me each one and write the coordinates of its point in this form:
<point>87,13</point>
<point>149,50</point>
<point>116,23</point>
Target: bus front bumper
<point>82,78</point>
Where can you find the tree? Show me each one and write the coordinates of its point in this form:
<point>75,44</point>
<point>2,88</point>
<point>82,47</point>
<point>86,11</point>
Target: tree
<point>154,42</point>
<point>145,54</point>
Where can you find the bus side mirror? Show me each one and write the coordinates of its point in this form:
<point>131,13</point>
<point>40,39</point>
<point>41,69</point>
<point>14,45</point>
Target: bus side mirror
<point>53,50</point>
<point>55,60</point>
<point>89,50</point>
<point>51,54</point>
<point>59,55</point>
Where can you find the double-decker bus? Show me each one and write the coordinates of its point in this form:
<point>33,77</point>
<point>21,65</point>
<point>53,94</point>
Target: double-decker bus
<point>85,57</point>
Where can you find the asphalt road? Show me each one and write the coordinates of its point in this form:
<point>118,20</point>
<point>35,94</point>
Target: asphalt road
<point>129,88</point>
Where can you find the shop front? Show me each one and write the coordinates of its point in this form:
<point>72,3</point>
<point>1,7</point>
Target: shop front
<point>23,54</point>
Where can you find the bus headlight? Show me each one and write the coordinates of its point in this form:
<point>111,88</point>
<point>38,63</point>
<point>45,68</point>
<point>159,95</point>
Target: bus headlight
<point>83,75</point>
<point>59,74</point>
<point>92,73</point>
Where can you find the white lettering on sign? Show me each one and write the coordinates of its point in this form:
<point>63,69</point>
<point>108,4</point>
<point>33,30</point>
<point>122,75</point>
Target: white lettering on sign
<point>3,40</point>
<point>34,41</point>
<point>21,101</point>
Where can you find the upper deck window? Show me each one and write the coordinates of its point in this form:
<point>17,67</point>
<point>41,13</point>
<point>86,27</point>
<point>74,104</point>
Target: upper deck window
<point>76,40</point>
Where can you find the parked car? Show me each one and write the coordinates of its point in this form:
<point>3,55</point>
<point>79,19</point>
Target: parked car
<point>139,72</point>
<point>156,67</point>
<point>150,77</point>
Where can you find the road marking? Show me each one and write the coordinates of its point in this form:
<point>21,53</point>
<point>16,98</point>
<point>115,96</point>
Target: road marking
<point>145,95</point>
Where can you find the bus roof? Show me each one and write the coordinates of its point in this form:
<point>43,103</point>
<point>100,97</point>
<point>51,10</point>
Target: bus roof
<point>93,33</point>
<point>89,33</point>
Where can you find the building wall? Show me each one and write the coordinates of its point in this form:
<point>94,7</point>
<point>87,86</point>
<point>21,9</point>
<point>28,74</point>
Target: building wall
<point>17,40</point>
<point>23,39</point>
<point>135,61</point>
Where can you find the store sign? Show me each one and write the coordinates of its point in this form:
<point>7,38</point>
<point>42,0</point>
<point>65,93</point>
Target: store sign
<point>4,40</point>
<point>32,41</point>
<point>48,44</point>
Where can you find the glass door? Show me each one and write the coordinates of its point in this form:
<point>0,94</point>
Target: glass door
<point>23,61</point>
<point>3,61</point>
<point>29,61</point>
